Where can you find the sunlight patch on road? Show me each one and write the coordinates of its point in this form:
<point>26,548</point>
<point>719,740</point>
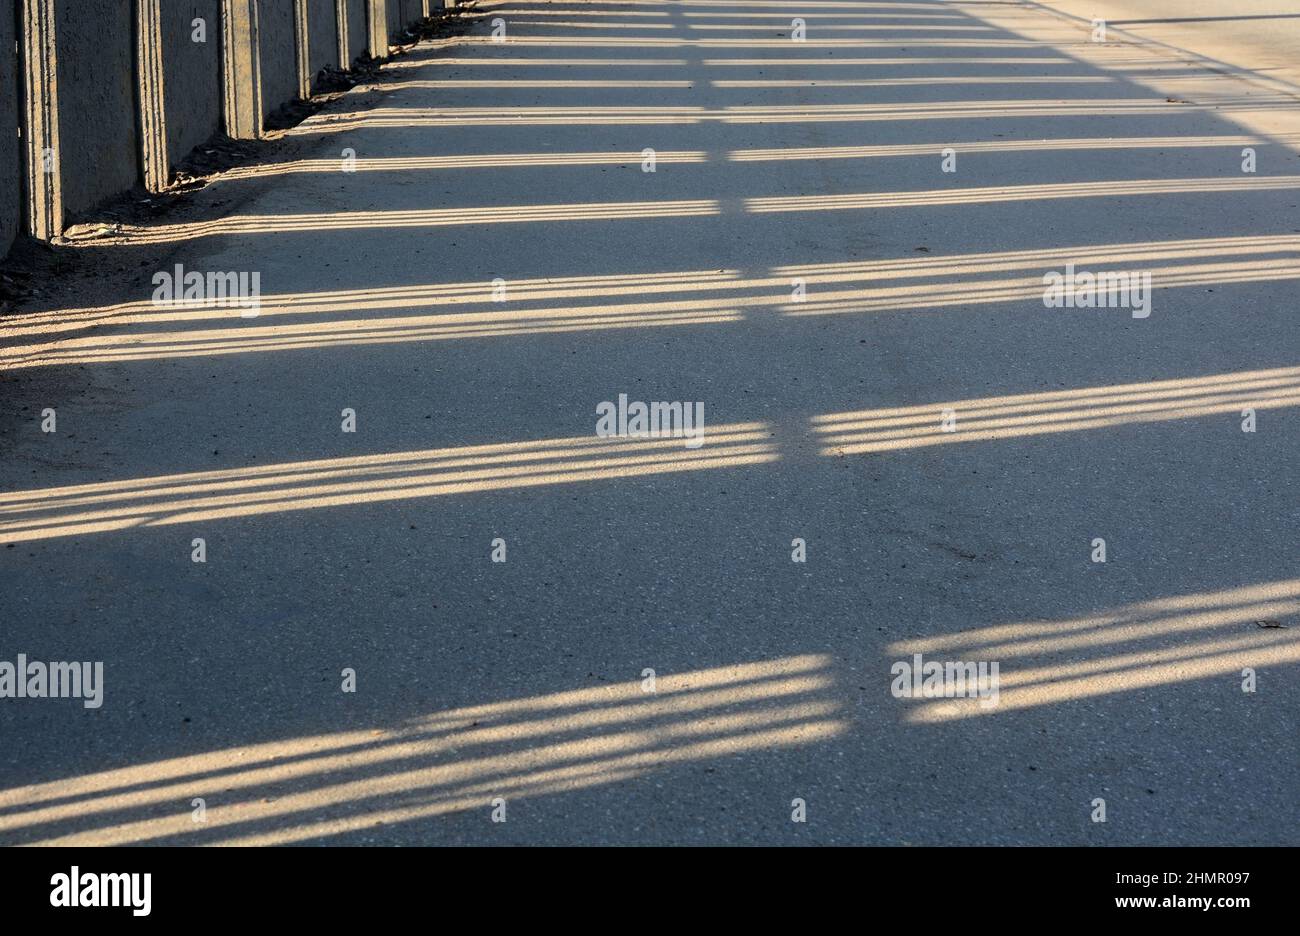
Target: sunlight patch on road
<point>301,788</point>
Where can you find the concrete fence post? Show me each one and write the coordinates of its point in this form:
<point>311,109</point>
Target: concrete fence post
<point>242,74</point>
<point>152,95</point>
<point>39,64</point>
<point>378,28</point>
<point>341,18</point>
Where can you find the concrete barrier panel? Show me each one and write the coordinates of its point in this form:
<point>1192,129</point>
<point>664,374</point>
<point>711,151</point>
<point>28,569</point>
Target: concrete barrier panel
<point>98,148</point>
<point>277,39</point>
<point>413,10</point>
<point>11,176</point>
<point>191,74</point>
<point>322,35</point>
<point>358,35</point>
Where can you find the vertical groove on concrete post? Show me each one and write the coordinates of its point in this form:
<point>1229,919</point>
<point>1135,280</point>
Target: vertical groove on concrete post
<point>254,96</point>
<point>341,18</point>
<point>242,73</point>
<point>40,67</point>
<point>230,65</point>
<point>301,43</point>
<point>153,111</point>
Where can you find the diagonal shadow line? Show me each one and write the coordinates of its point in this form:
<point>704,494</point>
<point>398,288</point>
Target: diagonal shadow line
<point>1204,19</point>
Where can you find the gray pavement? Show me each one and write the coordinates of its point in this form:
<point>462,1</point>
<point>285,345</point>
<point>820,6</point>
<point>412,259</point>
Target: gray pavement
<point>1255,38</point>
<point>780,166</point>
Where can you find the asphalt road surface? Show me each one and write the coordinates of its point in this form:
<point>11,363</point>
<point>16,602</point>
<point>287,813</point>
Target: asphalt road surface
<point>1259,38</point>
<point>886,395</point>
